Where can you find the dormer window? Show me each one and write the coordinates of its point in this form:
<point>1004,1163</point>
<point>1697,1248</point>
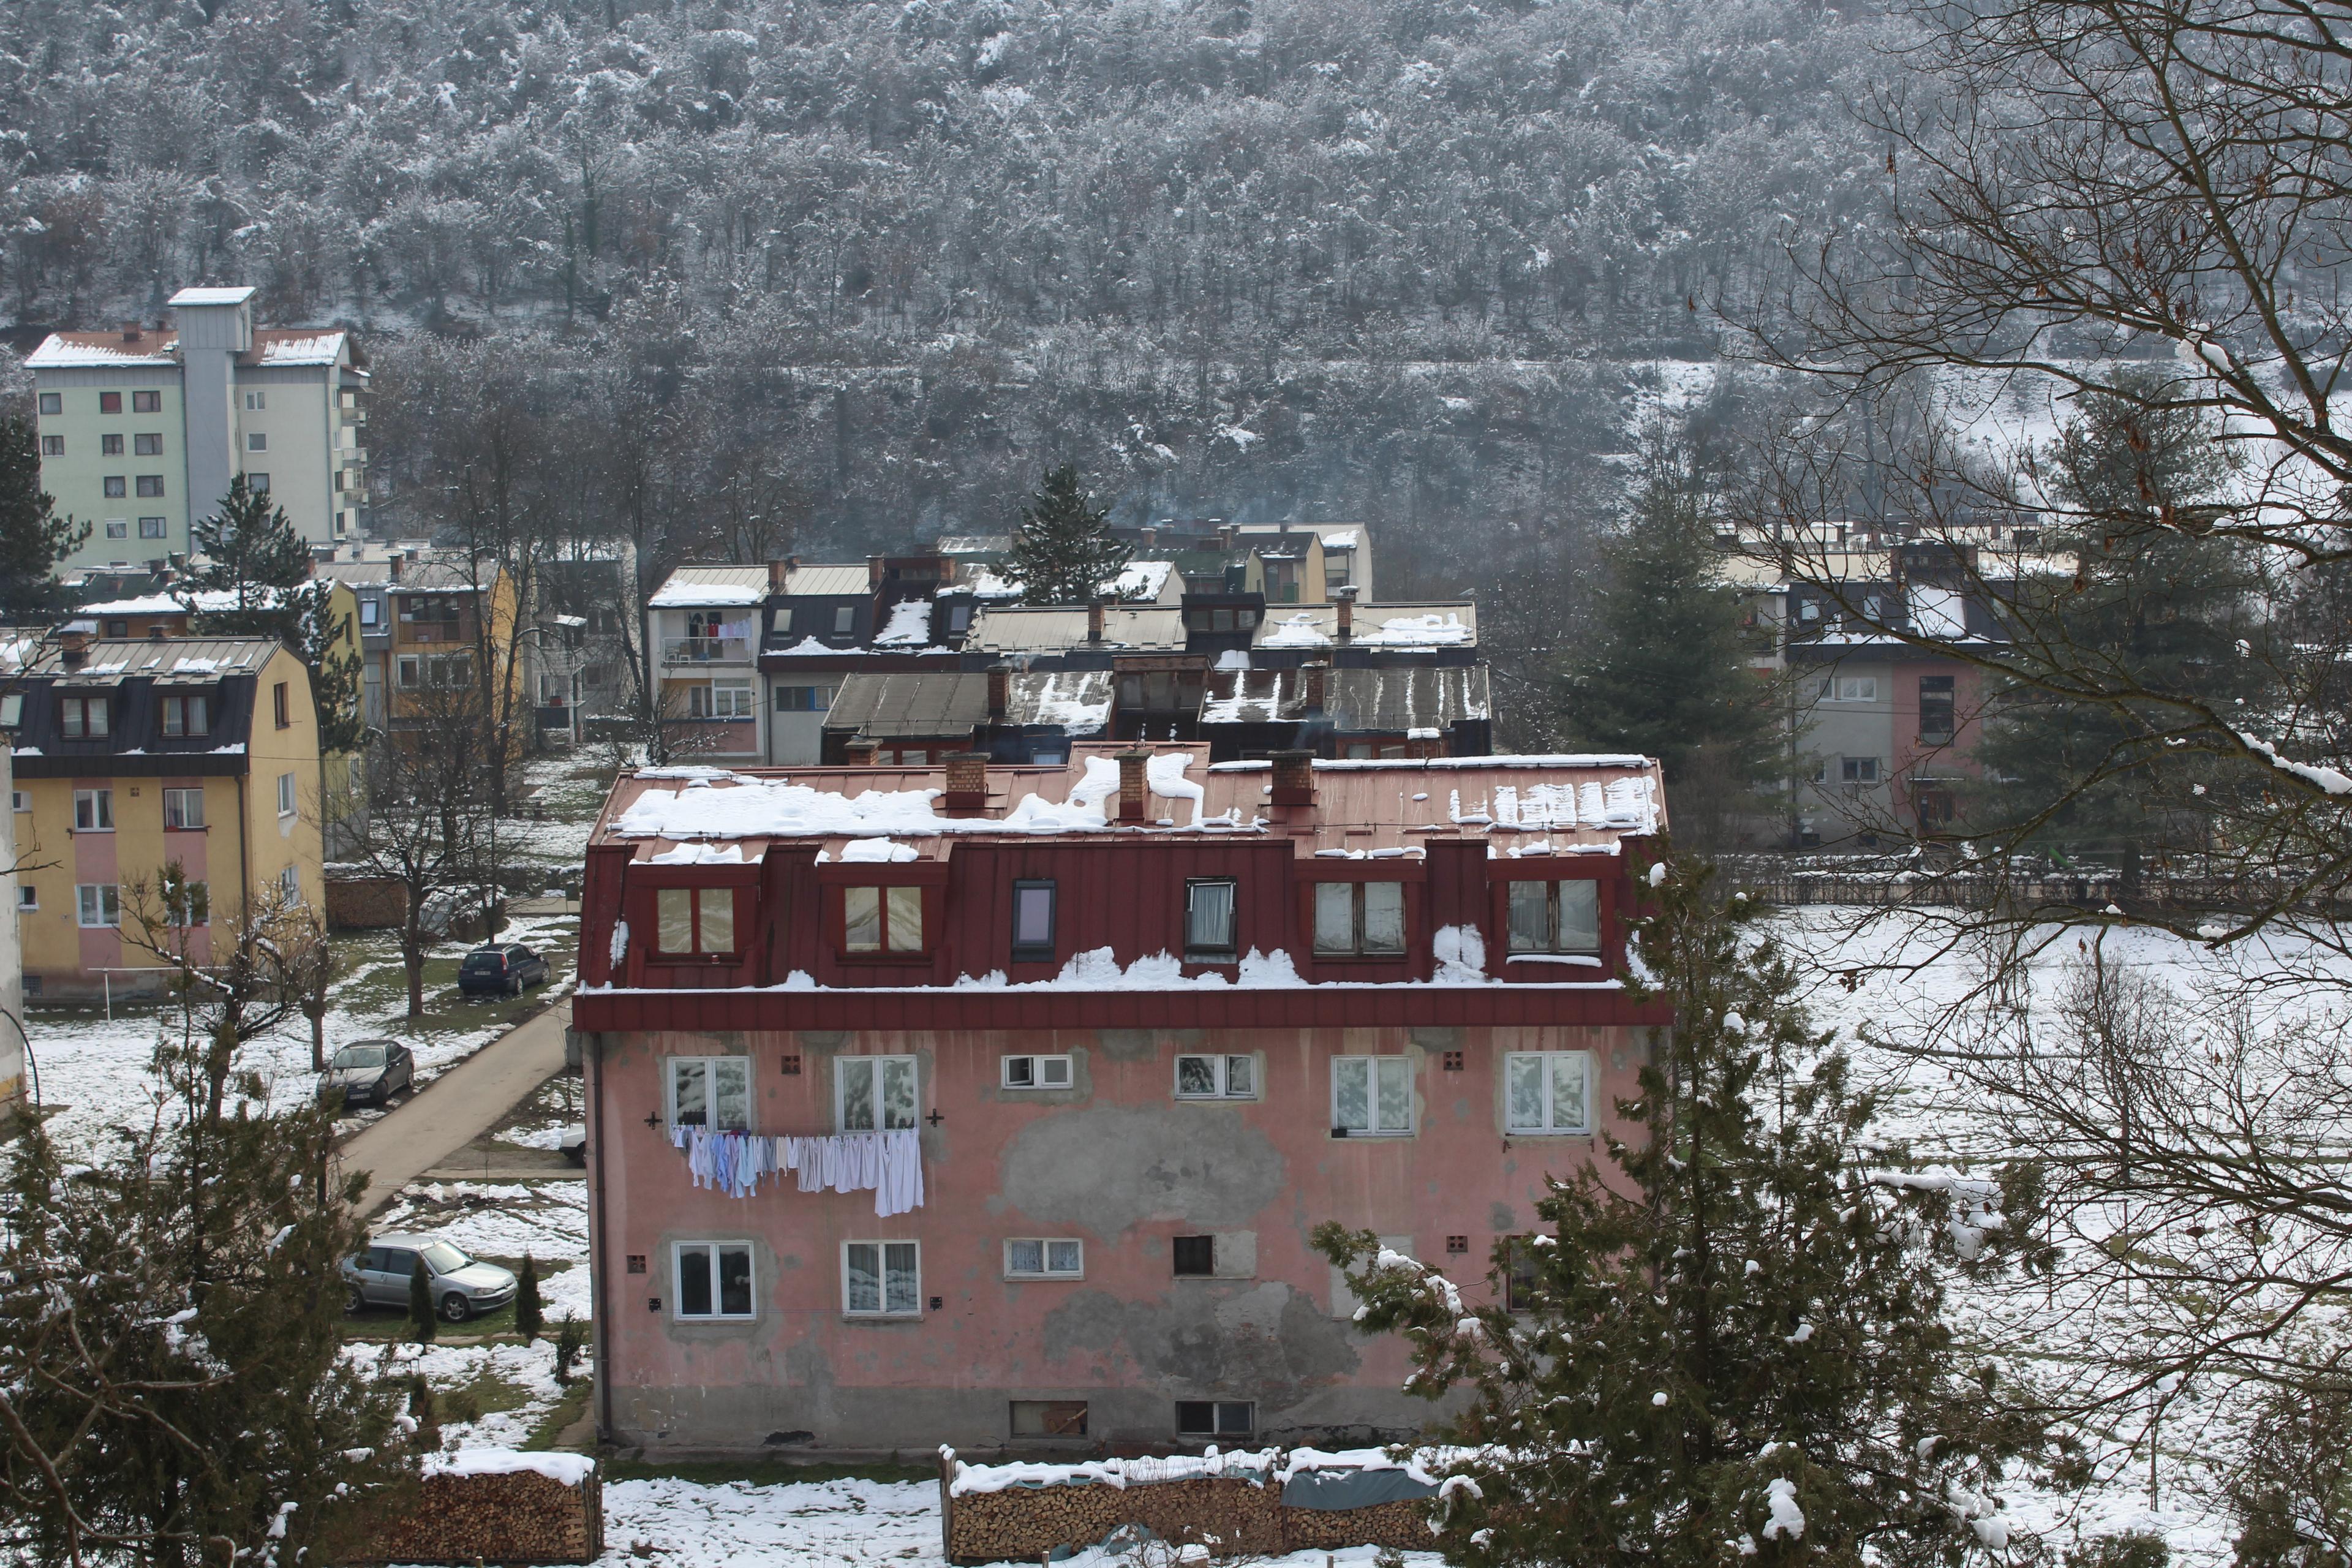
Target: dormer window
<point>82,718</point>
<point>186,716</point>
<point>882,920</point>
<point>691,921</point>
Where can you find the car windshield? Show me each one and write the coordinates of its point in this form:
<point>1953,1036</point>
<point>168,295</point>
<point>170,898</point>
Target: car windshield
<point>443,1259</point>
<point>359,1057</point>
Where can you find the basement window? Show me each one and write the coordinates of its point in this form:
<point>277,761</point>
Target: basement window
<point>1215,1417</point>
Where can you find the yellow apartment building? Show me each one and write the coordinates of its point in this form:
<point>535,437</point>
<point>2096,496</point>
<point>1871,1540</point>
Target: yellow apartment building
<point>131,755</point>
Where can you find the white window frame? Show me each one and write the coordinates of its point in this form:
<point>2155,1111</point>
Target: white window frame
<point>180,797</point>
<point>289,884</point>
<point>1221,1068</point>
<point>712,1252</point>
<point>28,897</point>
<point>1859,772</point>
<point>20,799</point>
<point>741,1068</point>
<point>1554,1063</point>
<point>1039,1067</point>
<point>845,620</point>
<point>257,441</point>
<point>257,401</point>
<point>93,811</point>
<point>876,1070</point>
<point>1555,925</point>
<point>107,894</point>
<point>883,1309</point>
<point>370,612</point>
<point>739,700</point>
<point>1357,899</point>
<point>1231,947</point>
<point>1047,1248</point>
<point>1374,1069</point>
<point>1849,688</point>
<point>286,799</point>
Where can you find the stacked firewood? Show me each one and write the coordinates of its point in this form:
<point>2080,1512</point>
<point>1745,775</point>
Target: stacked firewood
<point>519,1516</point>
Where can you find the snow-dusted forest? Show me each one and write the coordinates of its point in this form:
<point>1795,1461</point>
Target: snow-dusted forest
<point>1412,262</point>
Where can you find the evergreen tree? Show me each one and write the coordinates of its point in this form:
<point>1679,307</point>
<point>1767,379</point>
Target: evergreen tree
<point>1731,1345</point>
<point>421,1319</point>
<point>250,552</point>
<point>528,1316</point>
<point>172,1387</point>
<point>1664,668</point>
<point>1064,551</point>
<point>2155,604</point>
<point>33,537</point>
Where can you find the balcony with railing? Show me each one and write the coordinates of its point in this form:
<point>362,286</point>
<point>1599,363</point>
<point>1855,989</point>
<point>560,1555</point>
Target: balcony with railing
<point>706,650</point>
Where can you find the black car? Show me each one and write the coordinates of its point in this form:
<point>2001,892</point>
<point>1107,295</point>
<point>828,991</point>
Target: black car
<point>369,1072</point>
<point>501,969</point>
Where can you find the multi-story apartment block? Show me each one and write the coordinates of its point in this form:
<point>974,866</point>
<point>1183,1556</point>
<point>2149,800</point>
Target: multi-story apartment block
<point>425,619</point>
<point>133,756</point>
<point>978,1105</point>
<point>141,430</point>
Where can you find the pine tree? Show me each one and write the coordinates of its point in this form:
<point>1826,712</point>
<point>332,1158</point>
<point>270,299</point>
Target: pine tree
<point>421,1319</point>
<point>527,1318</point>
<point>1731,1344</point>
<point>1064,551</point>
<point>173,1384</point>
<point>249,551</point>
<point>33,537</point>
<point>1664,668</point>
<point>2154,603</point>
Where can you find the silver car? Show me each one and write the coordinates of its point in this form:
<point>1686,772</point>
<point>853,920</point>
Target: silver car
<point>462,1288</point>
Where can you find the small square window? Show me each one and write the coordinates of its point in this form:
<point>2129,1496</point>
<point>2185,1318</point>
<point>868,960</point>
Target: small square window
<point>257,401</point>
<point>149,446</point>
<point>1045,1257</point>
<point>1858,770</point>
<point>845,621</point>
<point>184,809</point>
<point>93,811</point>
<point>146,403</point>
<point>1547,1092</point>
<point>1194,1256</point>
<point>115,487</point>
<point>53,402</point>
<point>714,1279</point>
<point>53,445</point>
<point>150,486</point>
<point>1036,1072</point>
<point>109,446</point>
<point>98,905</point>
<point>881,1279</point>
<point>875,1094</point>
<point>1216,1078</point>
<point>1554,917</point>
<point>117,528</point>
<point>1215,1418</point>
<point>110,402</point>
<point>710,1091</point>
<point>257,483</point>
<point>1371,1095</point>
<point>152,527</point>
<point>26,898</point>
<point>257,441</point>
<point>1209,919</point>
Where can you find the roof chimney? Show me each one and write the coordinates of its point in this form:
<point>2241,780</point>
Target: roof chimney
<point>1315,675</point>
<point>967,783</point>
<point>1094,620</point>
<point>874,570</point>
<point>392,562</point>
<point>1134,784</point>
<point>73,646</point>
<point>130,331</point>
<point>1294,778</point>
<point>779,573</point>
<point>1343,600</point>
<point>1226,533</point>
<point>1424,743</point>
<point>858,751</point>
<point>999,692</point>
<point>1150,536</point>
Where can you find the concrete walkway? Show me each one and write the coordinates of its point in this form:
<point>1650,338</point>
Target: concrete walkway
<point>455,1108</point>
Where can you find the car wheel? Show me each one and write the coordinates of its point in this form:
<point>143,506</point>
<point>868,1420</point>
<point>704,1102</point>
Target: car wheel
<point>455,1309</point>
<point>514,987</point>
<point>354,1303</point>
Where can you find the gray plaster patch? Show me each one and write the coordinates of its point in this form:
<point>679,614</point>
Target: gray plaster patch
<point>1268,1342</point>
<point>1502,1218</point>
<point>824,1042</point>
<point>1110,1167</point>
<point>1128,1045</point>
<point>1435,1036</point>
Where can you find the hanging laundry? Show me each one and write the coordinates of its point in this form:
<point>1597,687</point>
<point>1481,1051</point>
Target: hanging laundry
<point>887,1164</point>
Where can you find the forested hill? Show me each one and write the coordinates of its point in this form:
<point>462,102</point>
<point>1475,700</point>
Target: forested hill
<point>1368,257</point>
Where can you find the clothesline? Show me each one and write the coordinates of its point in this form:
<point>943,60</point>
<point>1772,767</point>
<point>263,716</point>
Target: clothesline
<point>887,1164</point>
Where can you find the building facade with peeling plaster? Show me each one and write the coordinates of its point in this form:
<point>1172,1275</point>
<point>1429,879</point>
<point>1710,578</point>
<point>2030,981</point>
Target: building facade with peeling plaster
<point>1138,1025</point>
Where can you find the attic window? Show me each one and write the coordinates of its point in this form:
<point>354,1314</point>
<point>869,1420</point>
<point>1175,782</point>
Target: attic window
<point>694,921</point>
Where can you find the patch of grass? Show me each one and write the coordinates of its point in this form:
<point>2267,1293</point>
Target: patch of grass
<point>486,1395</point>
<point>568,1409</point>
<point>759,1472</point>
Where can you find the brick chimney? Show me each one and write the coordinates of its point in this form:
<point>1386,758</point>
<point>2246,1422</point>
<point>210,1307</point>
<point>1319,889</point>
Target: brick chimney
<point>858,751</point>
<point>1134,785</point>
<point>999,692</point>
<point>130,331</point>
<point>1343,606</point>
<point>967,783</point>
<point>1294,778</point>
<point>1424,743</point>
<point>392,563</point>
<point>1094,620</point>
<point>1150,536</point>
<point>1315,676</point>
<point>1226,533</point>
<point>779,573</point>
<point>874,570</point>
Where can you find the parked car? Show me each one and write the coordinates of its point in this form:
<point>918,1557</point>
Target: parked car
<point>501,969</point>
<point>462,1288</point>
<point>369,1072</point>
<point>575,1143</point>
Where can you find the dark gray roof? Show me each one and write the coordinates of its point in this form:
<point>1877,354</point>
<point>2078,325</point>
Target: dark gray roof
<point>910,702</point>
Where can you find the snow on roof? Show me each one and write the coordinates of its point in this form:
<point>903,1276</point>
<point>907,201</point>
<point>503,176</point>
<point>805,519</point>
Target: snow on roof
<point>231,296</point>
<point>281,347</point>
<point>1298,631</point>
<point>1343,539</point>
<point>570,1470</point>
<point>1040,628</point>
<point>66,351</point>
<point>256,596</point>
<point>805,647</point>
<point>1077,699</point>
<point>1418,629</point>
<point>1140,582</point>
<point>909,625</point>
<point>699,586</point>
